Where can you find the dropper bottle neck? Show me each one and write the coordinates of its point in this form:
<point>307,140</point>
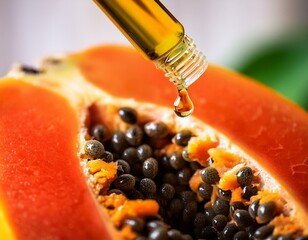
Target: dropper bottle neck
<point>183,64</point>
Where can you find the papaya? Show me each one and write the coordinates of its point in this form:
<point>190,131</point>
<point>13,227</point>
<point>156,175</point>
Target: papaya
<point>90,149</point>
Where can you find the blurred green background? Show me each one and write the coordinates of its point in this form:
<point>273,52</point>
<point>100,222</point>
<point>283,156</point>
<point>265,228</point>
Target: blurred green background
<point>281,64</point>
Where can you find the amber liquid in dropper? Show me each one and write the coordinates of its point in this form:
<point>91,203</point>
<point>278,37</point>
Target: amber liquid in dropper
<point>147,24</point>
<point>160,37</point>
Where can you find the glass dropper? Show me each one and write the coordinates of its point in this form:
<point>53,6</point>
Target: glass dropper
<point>160,37</point>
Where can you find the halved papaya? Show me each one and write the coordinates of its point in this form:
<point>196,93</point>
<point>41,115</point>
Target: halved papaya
<point>90,150</point>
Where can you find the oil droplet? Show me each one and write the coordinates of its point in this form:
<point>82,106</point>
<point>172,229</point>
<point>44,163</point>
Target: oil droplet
<point>183,106</point>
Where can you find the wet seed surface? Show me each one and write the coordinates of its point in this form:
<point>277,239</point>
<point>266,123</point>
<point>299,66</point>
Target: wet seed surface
<point>144,172</point>
<point>94,148</point>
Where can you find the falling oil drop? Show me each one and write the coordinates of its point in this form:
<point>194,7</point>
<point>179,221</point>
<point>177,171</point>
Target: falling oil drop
<point>183,106</point>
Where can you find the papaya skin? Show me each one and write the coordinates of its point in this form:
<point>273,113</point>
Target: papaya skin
<point>269,128</point>
<point>42,187</point>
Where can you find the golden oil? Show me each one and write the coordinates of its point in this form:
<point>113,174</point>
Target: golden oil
<point>160,37</point>
<point>183,106</point>
<point>147,24</point>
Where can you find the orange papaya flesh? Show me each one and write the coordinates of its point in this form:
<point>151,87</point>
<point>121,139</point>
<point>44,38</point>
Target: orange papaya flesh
<point>268,127</point>
<point>41,184</point>
<point>94,70</point>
